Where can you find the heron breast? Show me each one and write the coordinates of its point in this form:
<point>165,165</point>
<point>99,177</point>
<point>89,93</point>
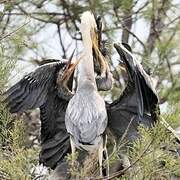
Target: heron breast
<point>86,118</point>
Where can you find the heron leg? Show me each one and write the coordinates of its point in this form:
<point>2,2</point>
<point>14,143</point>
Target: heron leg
<point>106,158</point>
<point>73,151</point>
<point>100,156</point>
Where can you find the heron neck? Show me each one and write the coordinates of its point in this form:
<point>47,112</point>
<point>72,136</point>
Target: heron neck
<point>86,66</point>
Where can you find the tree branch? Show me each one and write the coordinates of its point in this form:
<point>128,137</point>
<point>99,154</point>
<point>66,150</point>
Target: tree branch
<point>61,41</point>
<point>9,34</point>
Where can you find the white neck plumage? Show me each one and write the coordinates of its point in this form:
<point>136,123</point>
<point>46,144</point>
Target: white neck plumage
<point>86,66</point>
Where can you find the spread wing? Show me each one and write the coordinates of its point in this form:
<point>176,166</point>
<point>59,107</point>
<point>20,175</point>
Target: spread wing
<point>31,91</point>
<point>38,90</point>
<point>137,104</point>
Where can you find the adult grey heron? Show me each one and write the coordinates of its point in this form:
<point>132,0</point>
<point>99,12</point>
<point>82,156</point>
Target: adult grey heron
<point>86,116</point>
<point>46,88</point>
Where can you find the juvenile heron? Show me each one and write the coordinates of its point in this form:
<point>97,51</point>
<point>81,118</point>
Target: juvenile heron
<point>138,103</point>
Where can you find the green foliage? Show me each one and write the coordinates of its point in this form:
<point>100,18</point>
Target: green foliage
<point>16,161</point>
<point>154,7</point>
<point>5,117</point>
<point>153,156</point>
<point>124,5</point>
<point>155,153</point>
<point>4,69</point>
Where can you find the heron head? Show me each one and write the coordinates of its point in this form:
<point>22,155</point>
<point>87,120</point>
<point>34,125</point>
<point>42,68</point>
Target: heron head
<point>91,31</point>
<point>67,72</point>
<point>99,51</point>
<point>125,53</point>
<point>94,27</point>
<point>123,49</point>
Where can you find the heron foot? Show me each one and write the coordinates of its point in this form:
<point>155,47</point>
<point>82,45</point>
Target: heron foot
<point>103,161</point>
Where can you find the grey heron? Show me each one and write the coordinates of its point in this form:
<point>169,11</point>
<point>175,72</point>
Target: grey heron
<point>86,125</point>
<point>45,89</point>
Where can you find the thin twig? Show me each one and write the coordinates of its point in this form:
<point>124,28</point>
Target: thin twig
<point>121,140</point>
<point>61,41</point>
<point>50,20</point>
<point>35,13</point>
<point>167,125</point>
<point>134,35</point>
<point>127,129</point>
<point>117,174</point>
<point>9,34</point>
<point>38,177</point>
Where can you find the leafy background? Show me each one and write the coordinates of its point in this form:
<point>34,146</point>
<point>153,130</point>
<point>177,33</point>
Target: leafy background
<point>32,31</point>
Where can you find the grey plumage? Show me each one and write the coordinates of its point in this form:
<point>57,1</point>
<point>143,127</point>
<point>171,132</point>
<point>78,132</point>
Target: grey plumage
<point>146,95</point>
<point>89,122</point>
<point>54,137</point>
<point>86,117</point>
<point>105,83</point>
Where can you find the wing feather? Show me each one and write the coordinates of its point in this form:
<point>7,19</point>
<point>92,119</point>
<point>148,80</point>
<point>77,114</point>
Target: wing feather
<point>31,92</point>
<point>38,89</point>
<point>55,139</point>
<point>138,101</point>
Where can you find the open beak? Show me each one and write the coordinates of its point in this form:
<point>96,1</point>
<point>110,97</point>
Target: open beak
<point>99,29</point>
<point>99,58</point>
<point>123,51</point>
<point>70,67</point>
